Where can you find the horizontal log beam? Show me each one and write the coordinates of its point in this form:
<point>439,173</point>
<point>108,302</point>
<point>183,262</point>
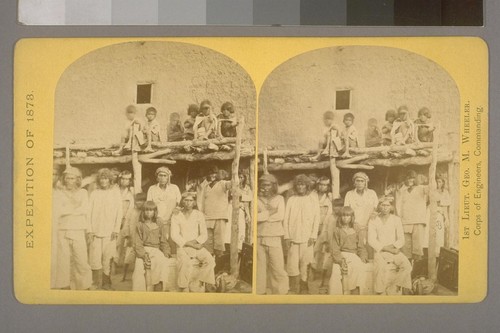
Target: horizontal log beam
<point>195,143</point>
<point>173,144</point>
<point>357,167</point>
<point>94,160</point>
<point>286,153</point>
<point>352,160</point>
<point>158,161</point>
<point>416,160</point>
<point>368,164</point>
<point>380,149</point>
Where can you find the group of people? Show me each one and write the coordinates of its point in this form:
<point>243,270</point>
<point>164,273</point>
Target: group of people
<point>201,124</point>
<point>107,224</point>
<point>399,129</point>
<point>312,232</point>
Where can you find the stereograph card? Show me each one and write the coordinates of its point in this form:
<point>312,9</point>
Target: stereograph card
<point>224,170</point>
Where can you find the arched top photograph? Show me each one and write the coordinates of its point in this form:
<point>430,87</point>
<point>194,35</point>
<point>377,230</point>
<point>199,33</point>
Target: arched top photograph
<point>364,81</point>
<point>93,93</point>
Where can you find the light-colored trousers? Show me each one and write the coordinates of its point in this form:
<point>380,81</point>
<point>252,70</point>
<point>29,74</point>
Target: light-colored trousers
<point>194,265</point>
<point>298,259</point>
<point>160,266</point>
<point>271,271</point>
<point>72,267</point>
<point>414,240</point>
<point>391,270</point>
<point>356,274</point>
<point>102,250</point>
<point>215,236</point>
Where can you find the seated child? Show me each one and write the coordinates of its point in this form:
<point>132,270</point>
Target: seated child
<point>205,126</point>
<point>403,129</point>
<point>349,135</point>
<point>152,250</point>
<point>133,132</point>
<point>175,130</point>
<point>373,136</point>
<point>425,130</point>
<point>227,121</point>
<point>152,128</point>
<point>331,144</point>
<point>390,116</point>
<point>349,255</point>
<point>192,112</point>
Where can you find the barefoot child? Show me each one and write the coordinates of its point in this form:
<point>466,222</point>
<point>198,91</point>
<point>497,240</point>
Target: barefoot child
<point>403,129</point>
<point>192,112</point>
<point>175,130</point>
<point>205,126</point>
<point>152,250</point>
<point>152,128</point>
<point>373,136</point>
<point>132,138</point>
<point>390,116</point>
<point>227,121</point>
<point>349,135</point>
<point>349,255</point>
<point>330,144</point>
<point>425,130</point>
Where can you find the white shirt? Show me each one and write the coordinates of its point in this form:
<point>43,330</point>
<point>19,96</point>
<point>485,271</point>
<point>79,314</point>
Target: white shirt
<point>382,233</point>
<point>166,199</point>
<point>185,229</point>
<point>362,204</point>
<point>105,212</point>
<point>302,216</point>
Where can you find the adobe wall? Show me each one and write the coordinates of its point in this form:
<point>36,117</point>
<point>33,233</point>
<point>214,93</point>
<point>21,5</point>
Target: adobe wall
<point>297,93</point>
<point>93,92</point>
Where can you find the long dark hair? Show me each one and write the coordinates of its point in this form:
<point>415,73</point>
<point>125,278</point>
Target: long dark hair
<point>348,211</point>
<point>147,206</point>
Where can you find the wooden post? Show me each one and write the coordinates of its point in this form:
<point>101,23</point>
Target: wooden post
<point>137,169</point>
<point>67,156</point>
<point>335,174</point>
<point>264,162</point>
<point>251,181</point>
<point>235,194</point>
<point>136,165</point>
<point>453,211</point>
<point>431,263</point>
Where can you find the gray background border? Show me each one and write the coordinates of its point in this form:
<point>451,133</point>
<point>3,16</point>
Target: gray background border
<point>15,317</point>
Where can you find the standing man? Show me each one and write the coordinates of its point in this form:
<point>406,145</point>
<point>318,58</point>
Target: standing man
<point>215,203</point>
<point>105,216</point>
<point>271,273</point>
<point>363,201</point>
<point>411,206</point>
<point>72,270</point>
<point>301,224</point>
<point>164,194</point>
<point>392,270</point>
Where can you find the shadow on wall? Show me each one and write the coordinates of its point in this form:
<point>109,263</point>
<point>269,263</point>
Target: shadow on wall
<point>93,92</point>
<point>364,80</point>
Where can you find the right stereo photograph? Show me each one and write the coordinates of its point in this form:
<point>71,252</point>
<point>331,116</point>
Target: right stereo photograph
<point>358,187</point>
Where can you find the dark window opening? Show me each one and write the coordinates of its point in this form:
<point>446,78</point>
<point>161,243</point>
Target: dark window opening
<point>342,100</point>
<point>144,93</point>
